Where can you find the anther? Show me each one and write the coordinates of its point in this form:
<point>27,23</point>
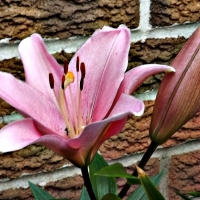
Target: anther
<point>66,130</point>
<point>67,79</point>
<point>65,66</point>
<point>63,82</point>
<point>81,83</point>
<point>51,80</point>
<point>77,63</point>
<point>82,75</point>
<point>82,70</point>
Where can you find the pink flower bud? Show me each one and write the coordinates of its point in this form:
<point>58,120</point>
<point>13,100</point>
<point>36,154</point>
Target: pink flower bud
<point>178,98</point>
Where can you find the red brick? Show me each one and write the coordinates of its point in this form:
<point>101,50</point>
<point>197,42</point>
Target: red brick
<point>184,174</point>
<point>19,19</point>
<point>168,12</point>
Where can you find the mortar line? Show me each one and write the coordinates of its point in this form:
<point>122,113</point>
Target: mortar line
<point>72,44</point>
<point>45,177</point>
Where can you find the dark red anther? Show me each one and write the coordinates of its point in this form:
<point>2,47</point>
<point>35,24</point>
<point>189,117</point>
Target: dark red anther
<point>82,70</point>
<point>81,83</point>
<point>65,66</point>
<point>82,67</point>
<point>77,63</point>
<point>51,80</point>
<point>63,82</point>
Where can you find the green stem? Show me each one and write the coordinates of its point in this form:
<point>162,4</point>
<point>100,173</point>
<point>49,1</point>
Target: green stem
<point>87,182</point>
<point>147,155</point>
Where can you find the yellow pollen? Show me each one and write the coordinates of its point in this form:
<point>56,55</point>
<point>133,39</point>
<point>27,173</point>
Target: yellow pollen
<point>69,78</point>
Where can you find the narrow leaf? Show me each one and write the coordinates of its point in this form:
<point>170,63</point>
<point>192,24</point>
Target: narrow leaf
<point>151,191</point>
<point>101,185</point>
<point>117,170</point>
<point>84,195</point>
<point>195,194</point>
<point>39,193</point>
<point>182,195</point>
<point>139,193</point>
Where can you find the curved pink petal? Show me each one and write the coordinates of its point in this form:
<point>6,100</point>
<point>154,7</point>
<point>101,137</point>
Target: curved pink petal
<point>125,105</point>
<point>136,76</point>
<point>38,63</point>
<point>17,135</point>
<point>105,55</point>
<point>32,103</point>
<point>128,103</point>
<point>81,150</point>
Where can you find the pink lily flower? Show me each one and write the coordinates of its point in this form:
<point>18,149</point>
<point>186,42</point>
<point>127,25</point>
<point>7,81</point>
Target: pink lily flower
<point>72,111</point>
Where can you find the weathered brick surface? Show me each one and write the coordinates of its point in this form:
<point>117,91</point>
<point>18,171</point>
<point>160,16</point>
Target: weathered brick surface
<point>65,188</point>
<point>168,12</point>
<point>184,174</point>
<point>19,19</point>
<point>31,160</point>
<point>71,187</point>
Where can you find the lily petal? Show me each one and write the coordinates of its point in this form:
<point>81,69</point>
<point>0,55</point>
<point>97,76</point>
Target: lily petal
<point>136,76</point>
<point>128,103</point>
<point>105,65</point>
<point>17,135</point>
<point>25,99</point>
<point>81,150</point>
<point>38,63</point>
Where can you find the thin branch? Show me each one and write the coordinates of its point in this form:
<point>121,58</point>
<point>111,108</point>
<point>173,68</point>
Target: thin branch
<point>87,182</point>
<point>152,147</point>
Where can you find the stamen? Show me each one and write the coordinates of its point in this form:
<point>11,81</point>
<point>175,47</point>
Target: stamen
<point>65,66</point>
<point>81,83</point>
<point>82,75</point>
<point>77,63</point>
<point>63,82</point>
<point>51,80</point>
<point>72,115</point>
<point>83,70</point>
<point>66,114</point>
<point>66,130</point>
<point>66,80</point>
<point>73,110</point>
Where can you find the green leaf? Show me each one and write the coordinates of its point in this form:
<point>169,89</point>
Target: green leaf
<point>111,197</point>
<point>150,189</point>
<point>117,170</point>
<point>139,193</point>
<point>182,195</point>
<point>195,194</point>
<point>84,195</point>
<point>101,185</point>
<point>39,193</point>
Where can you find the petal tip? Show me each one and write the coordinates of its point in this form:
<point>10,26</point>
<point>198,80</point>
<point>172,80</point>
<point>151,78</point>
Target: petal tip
<point>138,114</point>
<point>171,69</point>
<point>141,111</point>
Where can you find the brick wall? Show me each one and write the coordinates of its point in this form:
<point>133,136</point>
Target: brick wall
<point>159,30</point>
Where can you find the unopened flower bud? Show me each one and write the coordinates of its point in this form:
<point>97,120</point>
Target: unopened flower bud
<point>178,98</point>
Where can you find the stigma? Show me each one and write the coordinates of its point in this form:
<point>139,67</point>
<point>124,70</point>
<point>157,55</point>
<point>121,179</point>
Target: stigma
<point>69,104</point>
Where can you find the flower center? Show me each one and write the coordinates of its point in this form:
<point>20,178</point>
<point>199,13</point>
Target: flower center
<point>72,115</point>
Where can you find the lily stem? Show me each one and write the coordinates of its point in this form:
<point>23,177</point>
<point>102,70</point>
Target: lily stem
<point>147,155</point>
<point>87,182</point>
